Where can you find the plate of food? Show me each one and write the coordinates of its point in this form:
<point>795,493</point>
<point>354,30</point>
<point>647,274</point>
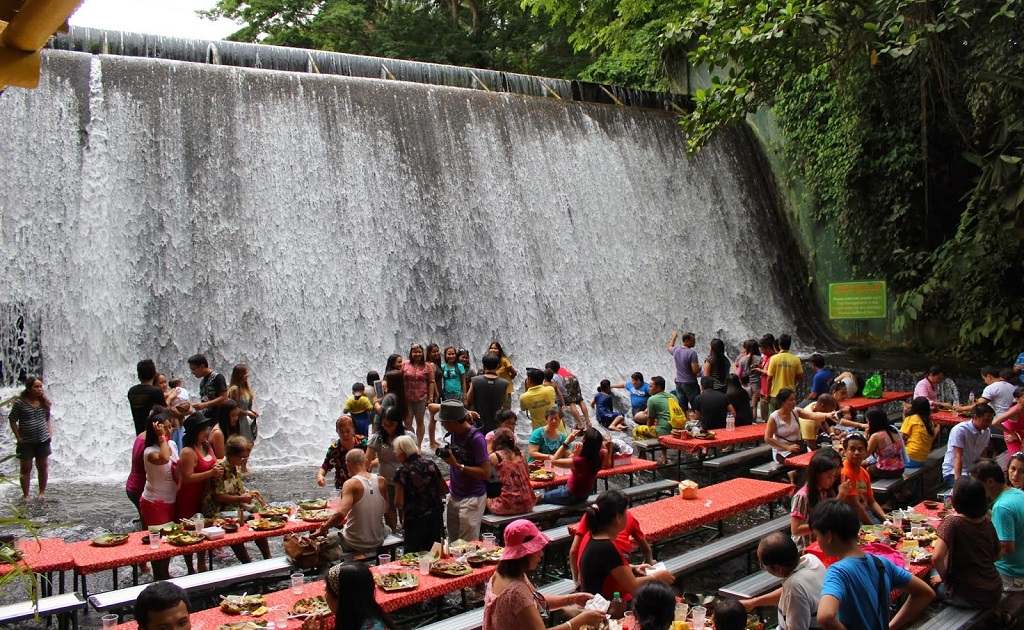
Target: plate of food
<point>243,625</point>
<point>311,607</point>
<point>184,538</point>
<point>265,525</point>
<point>315,516</point>
<point>542,475</point>
<point>485,556</point>
<point>238,604</point>
<point>924,539</point>
<point>413,559</point>
<point>271,512</point>
<point>397,581</point>
<point>450,568</point>
<point>313,504</point>
<point>110,540</point>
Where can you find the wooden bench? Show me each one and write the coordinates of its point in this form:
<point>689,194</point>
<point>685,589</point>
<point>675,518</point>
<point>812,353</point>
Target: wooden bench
<point>551,512</point>
<point>65,606</point>
<point>737,458</point>
<point>650,445</point>
<point>751,586</point>
<point>474,619</point>
<point>768,470</point>
<point>951,618</point>
<point>713,552</point>
<point>114,600</point>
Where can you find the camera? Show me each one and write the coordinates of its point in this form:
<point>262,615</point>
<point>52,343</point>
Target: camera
<point>443,452</point>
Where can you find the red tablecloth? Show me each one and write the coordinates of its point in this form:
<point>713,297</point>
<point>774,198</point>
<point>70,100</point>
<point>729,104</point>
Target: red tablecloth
<point>44,555</point>
<point>860,403</point>
<point>430,587</point>
<point>749,433</point>
<point>89,558</point>
<point>635,465</point>
<point>947,419</point>
<point>800,461</point>
<point>675,515</point>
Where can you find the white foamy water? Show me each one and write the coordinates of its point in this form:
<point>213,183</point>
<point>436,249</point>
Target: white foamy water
<point>311,225</point>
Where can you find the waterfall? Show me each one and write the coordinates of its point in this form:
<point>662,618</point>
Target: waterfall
<point>309,225</point>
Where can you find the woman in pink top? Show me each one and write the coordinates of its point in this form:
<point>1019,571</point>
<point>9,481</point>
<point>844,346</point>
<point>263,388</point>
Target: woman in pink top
<point>512,602</point>
<point>419,388</point>
<point>1013,422</point>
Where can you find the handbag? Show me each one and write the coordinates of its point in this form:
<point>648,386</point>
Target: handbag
<point>308,552</point>
<point>873,387</point>
<point>254,428</point>
<point>494,483</point>
<point>303,551</point>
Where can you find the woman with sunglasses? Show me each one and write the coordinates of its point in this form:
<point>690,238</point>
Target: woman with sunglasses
<point>512,602</point>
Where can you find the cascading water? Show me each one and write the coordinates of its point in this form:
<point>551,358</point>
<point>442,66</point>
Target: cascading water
<point>310,225</point>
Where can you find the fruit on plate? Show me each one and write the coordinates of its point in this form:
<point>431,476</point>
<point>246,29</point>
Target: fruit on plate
<point>266,524</point>
<point>270,512</point>
<point>542,475</point>
<point>315,606</point>
<point>313,504</point>
<point>237,604</point>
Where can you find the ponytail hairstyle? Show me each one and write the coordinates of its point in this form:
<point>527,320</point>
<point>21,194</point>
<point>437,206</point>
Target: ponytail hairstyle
<point>602,512</point>
<point>591,449</point>
<point>505,440</point>
<point>922,408</point>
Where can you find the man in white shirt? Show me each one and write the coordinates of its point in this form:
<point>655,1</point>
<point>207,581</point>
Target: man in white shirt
<point>967,443</point>
<point>802,577</point>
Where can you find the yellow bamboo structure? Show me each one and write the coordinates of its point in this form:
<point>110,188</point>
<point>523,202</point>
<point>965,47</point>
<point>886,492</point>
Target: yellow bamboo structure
<point>25,27</point>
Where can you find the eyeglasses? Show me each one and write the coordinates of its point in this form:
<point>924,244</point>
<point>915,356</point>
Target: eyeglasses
<point>542,604</point>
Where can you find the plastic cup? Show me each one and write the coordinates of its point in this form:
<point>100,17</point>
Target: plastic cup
<point>154,537</point>
<point>335,499</point>
<point>384,558</point>
<point>281,616</point>
<point>548,466</point>
<point>425,565</point>
<point>698,613</point>
<point>297,583</point>
<point>681,610</point>
<point>897,519</point>
<point>109,621</point>
<point>488,540</point>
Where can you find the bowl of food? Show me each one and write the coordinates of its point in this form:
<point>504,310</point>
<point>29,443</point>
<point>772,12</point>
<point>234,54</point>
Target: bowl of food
<point>230,528</point>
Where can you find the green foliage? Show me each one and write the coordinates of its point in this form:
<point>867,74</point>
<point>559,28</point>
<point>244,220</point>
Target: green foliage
<point>497,35</point>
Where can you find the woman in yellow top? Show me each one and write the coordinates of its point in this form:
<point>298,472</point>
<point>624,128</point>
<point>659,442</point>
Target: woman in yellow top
<point>919,432</point>
<point>505,370</point>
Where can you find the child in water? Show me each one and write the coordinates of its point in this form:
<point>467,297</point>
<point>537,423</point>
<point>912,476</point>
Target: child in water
<point>604,403</point>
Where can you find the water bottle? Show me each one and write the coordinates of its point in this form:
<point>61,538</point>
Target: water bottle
<point>617,607</point>
<point>730,421</point>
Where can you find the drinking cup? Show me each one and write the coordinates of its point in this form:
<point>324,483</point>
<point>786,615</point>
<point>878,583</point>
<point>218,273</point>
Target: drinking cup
<point>488,540</point>
<point>297,583</point>
<point>384,558</point>
<point>425,565</point>
<point>154,539</point>
<point>335,499</point>
<point>698,613</point>
<point>681,610</point>
<point>281,616</point>
<point>897,519</point>
<point>109,621</point>
<point>548,466</point>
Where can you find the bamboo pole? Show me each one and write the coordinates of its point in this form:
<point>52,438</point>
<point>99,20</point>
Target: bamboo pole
<point>36,23</point>
<point>19,69</point>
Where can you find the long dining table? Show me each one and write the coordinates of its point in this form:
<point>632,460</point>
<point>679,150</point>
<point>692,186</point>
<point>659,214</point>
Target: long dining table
<point>674,516</point>
<point>860,403</point>
<point>430,587</point>
<point>44,556</point>
<point>634,466</point>
<point>89,558</point>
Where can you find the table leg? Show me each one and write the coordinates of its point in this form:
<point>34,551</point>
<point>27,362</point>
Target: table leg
<point>62,584</point>
<point>135,574</point>
<point>114,572</point>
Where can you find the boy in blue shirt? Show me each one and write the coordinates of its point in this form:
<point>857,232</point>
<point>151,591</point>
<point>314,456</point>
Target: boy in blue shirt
<point>851,596</point>
<point>639,392</point>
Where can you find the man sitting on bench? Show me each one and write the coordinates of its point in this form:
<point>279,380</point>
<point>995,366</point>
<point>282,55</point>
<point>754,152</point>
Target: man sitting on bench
<point>802,577</point>
<point>162,606</point>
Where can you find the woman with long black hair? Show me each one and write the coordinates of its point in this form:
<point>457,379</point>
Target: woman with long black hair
<point>584,465</point>
<point>919,432</point>
<point>717,365</point>
<point>349,593</point>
